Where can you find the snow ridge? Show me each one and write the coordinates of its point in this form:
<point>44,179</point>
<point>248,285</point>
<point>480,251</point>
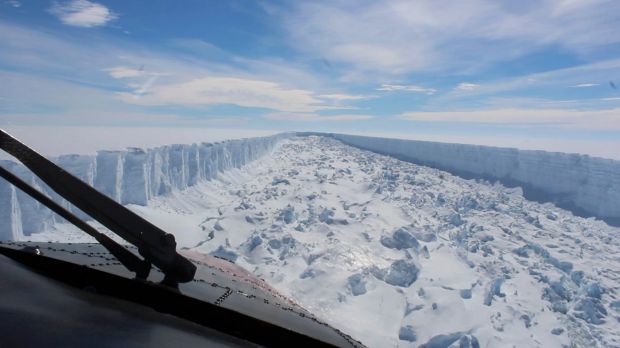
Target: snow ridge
<point>132,176</point>
<point>587,186</point>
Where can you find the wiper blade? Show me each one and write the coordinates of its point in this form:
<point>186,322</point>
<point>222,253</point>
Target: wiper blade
<point>124,256</point>
<point>155,245</point>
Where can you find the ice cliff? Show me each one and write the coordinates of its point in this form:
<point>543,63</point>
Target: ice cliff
<point>588,186</point>
<point>132,176</point>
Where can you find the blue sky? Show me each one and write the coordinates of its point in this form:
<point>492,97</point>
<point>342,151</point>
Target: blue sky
<point>540,70</point>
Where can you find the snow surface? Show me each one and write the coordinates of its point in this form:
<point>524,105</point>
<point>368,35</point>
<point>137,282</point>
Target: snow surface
<point>398,254</point>
<point>589,186</point>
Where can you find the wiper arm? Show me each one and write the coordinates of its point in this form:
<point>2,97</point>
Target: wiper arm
<point>155,245</point>
<point>124,256</point>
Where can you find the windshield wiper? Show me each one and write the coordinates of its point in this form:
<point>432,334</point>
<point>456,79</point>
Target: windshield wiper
<point>133,263</point>
<point>156,246</point>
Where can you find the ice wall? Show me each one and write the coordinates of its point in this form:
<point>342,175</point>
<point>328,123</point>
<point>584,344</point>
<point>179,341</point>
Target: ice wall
<point>588,186</point>
<point>132,176</point>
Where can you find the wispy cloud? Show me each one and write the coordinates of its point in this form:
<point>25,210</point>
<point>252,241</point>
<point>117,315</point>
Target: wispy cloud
<point>140,87</point>
<point>122,72</point>
<point>524,85</point>
<point>593,119</point>
<point>145,87</point>
<point>145,77</point>
<point>229,90</point>
<point>311,117</point>
<point>344,97</point>
<point>466,86</point>
<point>13,3</point>
<point>406,88</point>
<point>82,13</point>
<point>400,36</point>
<point>585,85</point>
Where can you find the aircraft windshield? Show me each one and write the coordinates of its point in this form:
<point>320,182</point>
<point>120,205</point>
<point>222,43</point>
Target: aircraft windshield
<point>412,173</point>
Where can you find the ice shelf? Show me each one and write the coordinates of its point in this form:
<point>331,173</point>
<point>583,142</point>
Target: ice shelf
<point>587,186</point>
<point>132,176</point>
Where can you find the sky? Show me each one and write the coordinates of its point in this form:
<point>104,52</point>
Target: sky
<point>530,74</point>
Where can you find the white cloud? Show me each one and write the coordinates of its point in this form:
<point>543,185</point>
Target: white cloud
<point>310,117</point>
<point>398,36</point>
<point>406,88</point>
<point>229,90</point>
<point>152,77</point>
<point>82,13</point>
<point>465,86</point>
<point>344,97</point>
<point>140,88</point>
<point>141,81</point>
<point>594,119</point>
<point>122,72</point>
<point>585,85</point>
<point>13,3</point>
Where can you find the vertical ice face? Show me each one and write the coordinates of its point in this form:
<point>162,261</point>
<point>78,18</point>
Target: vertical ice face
<point>193,163</point>
<point>16,216</point>
<point>206,160</point>
<point>178,166</point>
<point>84,168</point>
<point>109,174</point>
<point>39,217</point>
<point>134,189</point>
<point>224,158</point>
<point>129,177</point>
<point>81,166</point>
<point>10,215</point>
<point>158,171</point>
<point>215,161</point>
